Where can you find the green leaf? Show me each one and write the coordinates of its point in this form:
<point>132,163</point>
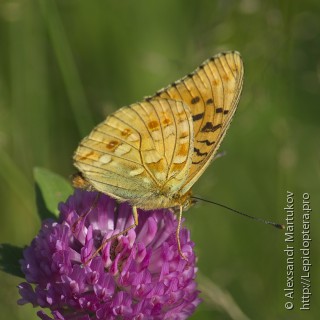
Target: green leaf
<point>9,259</point>
<point>50,190</point>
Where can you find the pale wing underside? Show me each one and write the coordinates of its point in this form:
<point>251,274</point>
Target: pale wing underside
<point>140,152</point>
<point>212,92</point>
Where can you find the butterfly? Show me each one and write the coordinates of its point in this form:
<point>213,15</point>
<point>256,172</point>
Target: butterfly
<point>151,153</point>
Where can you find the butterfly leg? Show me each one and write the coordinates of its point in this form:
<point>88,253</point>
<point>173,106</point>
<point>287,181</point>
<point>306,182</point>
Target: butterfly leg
<point>136,220</point>
<point>135,215</point>
<point>178,234</point>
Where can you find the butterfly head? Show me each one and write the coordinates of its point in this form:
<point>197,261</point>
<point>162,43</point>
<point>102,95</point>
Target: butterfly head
<point>186,201</point>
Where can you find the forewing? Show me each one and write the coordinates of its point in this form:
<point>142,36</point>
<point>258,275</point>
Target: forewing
<point>139,151</point>
<point>212,92</point>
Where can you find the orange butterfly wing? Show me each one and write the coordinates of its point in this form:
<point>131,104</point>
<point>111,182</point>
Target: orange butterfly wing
<point>141,153</point>
<point>212,92</point>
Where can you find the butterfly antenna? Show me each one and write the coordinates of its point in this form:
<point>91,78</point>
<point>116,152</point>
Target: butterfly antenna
<point>276,225</point>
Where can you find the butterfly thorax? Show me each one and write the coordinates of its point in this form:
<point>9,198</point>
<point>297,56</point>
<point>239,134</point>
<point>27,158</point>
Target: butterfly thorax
<point>163,200</point>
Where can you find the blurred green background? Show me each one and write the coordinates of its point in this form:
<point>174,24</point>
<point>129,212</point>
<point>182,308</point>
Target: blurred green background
<point>65,65</point>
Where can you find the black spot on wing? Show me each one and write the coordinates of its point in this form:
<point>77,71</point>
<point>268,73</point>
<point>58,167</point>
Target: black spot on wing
<point>195,100</point>
<point>219,110</point>
<point>207,142</point>
<point>198,116</point>
<point>209,127</point>
<point>199,153</point>
<point>197,162</point>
